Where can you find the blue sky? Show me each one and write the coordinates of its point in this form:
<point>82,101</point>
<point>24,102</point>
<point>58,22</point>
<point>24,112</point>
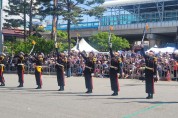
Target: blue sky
<point>85,18</point>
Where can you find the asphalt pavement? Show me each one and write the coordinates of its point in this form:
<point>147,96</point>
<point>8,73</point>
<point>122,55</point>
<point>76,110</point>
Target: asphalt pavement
<point>27,102</point>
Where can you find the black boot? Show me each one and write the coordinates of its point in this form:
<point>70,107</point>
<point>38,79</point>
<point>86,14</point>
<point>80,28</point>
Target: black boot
<point>61,88</point>
<point>39,87</point>
<point>2,84</point>
<point>89,91</point>
<point>115,93</point>
<point>21,85</point>
<point>149,96</point>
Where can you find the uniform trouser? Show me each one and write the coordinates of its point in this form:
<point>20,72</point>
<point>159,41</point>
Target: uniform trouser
<point>114,82</point>
<point>88,81</point>
<point>38,78</point>
<point>2,78</point>
<point>176,74</point>
<point>68,72</point>
<point>60,78</point>
<point>149,82</point>
<point>21,76</point>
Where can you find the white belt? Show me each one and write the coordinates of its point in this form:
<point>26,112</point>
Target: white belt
<point>113,67</point>
<point>20,64</point>
<point>1,64</point>
<point>149,68</point>
<point>59,65</point>
<point>88,67</point>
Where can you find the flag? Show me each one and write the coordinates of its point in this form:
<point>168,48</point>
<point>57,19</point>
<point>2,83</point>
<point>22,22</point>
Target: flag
<point>147,27</point>
<point>78,35</point>
<point>111,28</point>
<point>33,42</point>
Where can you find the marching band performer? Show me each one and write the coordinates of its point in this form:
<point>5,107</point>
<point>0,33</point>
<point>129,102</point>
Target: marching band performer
<point>38,70</point>
<point>89,69</point>
<point>115,67</point>
<point>2,62</point>
<point>150,72</point>
<point>60,67</point>
<point>20,68</point>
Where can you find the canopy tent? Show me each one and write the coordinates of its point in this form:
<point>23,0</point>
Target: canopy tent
<point>84,46</point>
<point>169,50</point>
<point>156,50</point>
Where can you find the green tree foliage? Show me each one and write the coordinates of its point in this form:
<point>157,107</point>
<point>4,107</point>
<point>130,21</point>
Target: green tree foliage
<point>15,8</point>
<point>62,39</point>
<point>72,11</point>
<point>100,42</point>
<point>42,45</point>
<point>20,8</point>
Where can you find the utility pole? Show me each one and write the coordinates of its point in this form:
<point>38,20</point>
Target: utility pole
<point>1,35</point>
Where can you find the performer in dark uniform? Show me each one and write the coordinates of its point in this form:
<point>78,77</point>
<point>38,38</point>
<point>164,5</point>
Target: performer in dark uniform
<point>115,67</point>
<point>60,67</point>
<point>89,69</point>
<point>38,69</point>
<point>20,68</point>
<point>150,72</point>
<point>2,63</point>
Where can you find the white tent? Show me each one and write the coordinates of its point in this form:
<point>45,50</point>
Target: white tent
<point>155,49</point>
<point>84,46</point>
<point>169,50</point>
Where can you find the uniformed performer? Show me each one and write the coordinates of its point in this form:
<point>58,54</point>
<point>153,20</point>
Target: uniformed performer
<point>2,67</point>
<point>115,66</point>
<point>20,68</point>
<point>150,72</point>
<point>89,69</point>
<point>38,70</point>
<point>60,69</point>
<point>175,57</point>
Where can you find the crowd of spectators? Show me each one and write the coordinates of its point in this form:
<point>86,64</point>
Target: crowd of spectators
<point>132,65</point>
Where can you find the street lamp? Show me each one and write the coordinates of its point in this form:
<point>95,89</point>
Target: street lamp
<point>1,35</point>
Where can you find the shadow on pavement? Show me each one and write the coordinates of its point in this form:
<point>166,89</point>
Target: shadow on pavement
<point>125,98</point>
<point>157,102</point>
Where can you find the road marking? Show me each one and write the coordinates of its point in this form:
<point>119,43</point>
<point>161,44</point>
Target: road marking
<point>141,111</point>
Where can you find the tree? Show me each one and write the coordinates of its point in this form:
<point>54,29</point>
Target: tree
<point>62,39</point>
<point>42,45</point>
<point>72,11</point>
<point>100,42</point>
<point>20,9</point>
<point>14,8</point>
